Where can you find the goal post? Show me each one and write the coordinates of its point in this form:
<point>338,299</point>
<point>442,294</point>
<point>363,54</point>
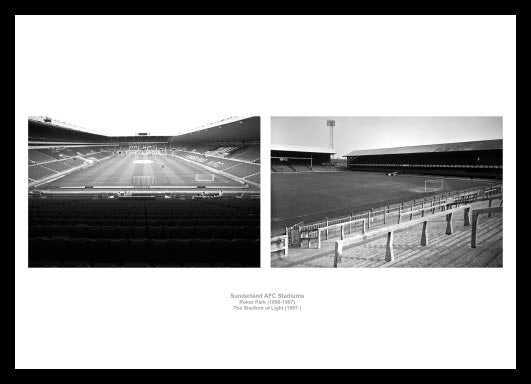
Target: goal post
<point>433,185</point>
<point>143,181</point>
<point>204,177</point>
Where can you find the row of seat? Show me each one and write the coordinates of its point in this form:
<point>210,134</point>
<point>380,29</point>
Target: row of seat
<point>141,252</point>
<point>132,215</point>
<point>143,222</point>
<point>155,232</point>
<point>171,204</point>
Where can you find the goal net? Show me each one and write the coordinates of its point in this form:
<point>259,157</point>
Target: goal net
<point>433,185</point>
<point>143,181</point>
<point>204,177</point>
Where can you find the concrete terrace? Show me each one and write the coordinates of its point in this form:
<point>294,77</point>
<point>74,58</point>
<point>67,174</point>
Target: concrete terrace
<point>442,251</point>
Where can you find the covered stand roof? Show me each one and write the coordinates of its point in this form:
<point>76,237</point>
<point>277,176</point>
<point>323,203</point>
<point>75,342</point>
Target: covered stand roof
<point>482,145</point>
<point>301,148</point>
<point>42,129</point>
<point>235,129</point>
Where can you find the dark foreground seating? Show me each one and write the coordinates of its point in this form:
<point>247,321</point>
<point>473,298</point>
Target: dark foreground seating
<point>103,233</point>
<point>142,252</point>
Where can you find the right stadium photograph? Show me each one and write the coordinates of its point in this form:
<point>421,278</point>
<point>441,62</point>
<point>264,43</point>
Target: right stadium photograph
<point>367,192</point>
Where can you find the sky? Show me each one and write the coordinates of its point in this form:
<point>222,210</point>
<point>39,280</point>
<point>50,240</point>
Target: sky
<point>354,133</point>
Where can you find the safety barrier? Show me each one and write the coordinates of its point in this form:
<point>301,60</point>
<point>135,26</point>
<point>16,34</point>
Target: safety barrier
<point>475,221</point>
<point>389,231</point>
<point>385,214</point>
<point>280,243</point>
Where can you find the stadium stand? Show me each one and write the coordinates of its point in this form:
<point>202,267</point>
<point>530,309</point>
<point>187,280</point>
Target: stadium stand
<point>37,172</point>
<point>249,153</point>
<point>64,165</point>
<point>79,225</point>
<point>46,162</point>
<point>60,230</point>
<point>297,158</point>
<point>282,168</point>
<point>254,178</point>
<point>223,159</point>
<point>359,240</point>
<point>474,158</point>
<point>36,156</point>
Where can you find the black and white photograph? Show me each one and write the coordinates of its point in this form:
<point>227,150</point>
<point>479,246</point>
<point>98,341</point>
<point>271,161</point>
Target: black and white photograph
<point>354,192</point>
<point>217,192</point>
<point>144,200</point>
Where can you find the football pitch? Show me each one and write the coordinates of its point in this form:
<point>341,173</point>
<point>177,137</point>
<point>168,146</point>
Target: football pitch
<point>310,197</point>
<point>164,171</point>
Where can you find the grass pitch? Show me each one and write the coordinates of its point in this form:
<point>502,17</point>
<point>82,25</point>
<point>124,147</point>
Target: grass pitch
<point>119,171</point>
<point>310,197</point>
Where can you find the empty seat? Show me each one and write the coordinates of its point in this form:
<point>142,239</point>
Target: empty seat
<point>200,254</point>
<point>59,247</point>
<point>78,231</point>
<point>35,231</point>
<point>201,232</point>
<point>64,231</point>
<point>156,233</point>
<point>188,232</point>
<point>139,232</point>
<point>138,255</point>
<point>249,233</point>
<point>109,232</point>
<point>114,222</point>
<point>226,254</point>
<point>39,253</point>
<point>104,252</point>
<point>172,232</point>
<point>249,251</point>
<point>124,232</point>
<point>81,221</point>
<point>165,254</point>
<point>46,221</point>
<point>117,249</point>
<point>93,232</point>
<point>126,222</point>
<point>78,255</point>
<point>48,230</point>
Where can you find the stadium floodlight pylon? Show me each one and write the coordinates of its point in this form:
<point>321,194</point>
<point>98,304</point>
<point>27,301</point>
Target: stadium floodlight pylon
<point>433,185</point>
<point>204,177</point>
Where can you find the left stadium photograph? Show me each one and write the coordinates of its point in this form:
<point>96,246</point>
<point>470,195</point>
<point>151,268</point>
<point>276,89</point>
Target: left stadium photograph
<point>144,200</point>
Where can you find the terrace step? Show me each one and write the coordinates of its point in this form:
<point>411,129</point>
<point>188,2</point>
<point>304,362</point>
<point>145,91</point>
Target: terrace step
<point>442,251</point>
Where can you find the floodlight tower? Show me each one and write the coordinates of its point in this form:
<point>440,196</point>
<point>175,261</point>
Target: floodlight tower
<point>331,124</point>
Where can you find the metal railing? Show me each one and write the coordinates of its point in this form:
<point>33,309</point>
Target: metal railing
<point>389,231</point>
<point>475,221</point>
<point>306,236</point>
<point>280,243</point>
<point>383,215</point>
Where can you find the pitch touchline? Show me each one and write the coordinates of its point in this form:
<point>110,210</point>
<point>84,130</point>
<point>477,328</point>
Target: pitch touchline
<point>329,210</point>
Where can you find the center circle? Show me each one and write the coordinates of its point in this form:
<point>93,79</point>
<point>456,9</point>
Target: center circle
<point>143,161</point>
